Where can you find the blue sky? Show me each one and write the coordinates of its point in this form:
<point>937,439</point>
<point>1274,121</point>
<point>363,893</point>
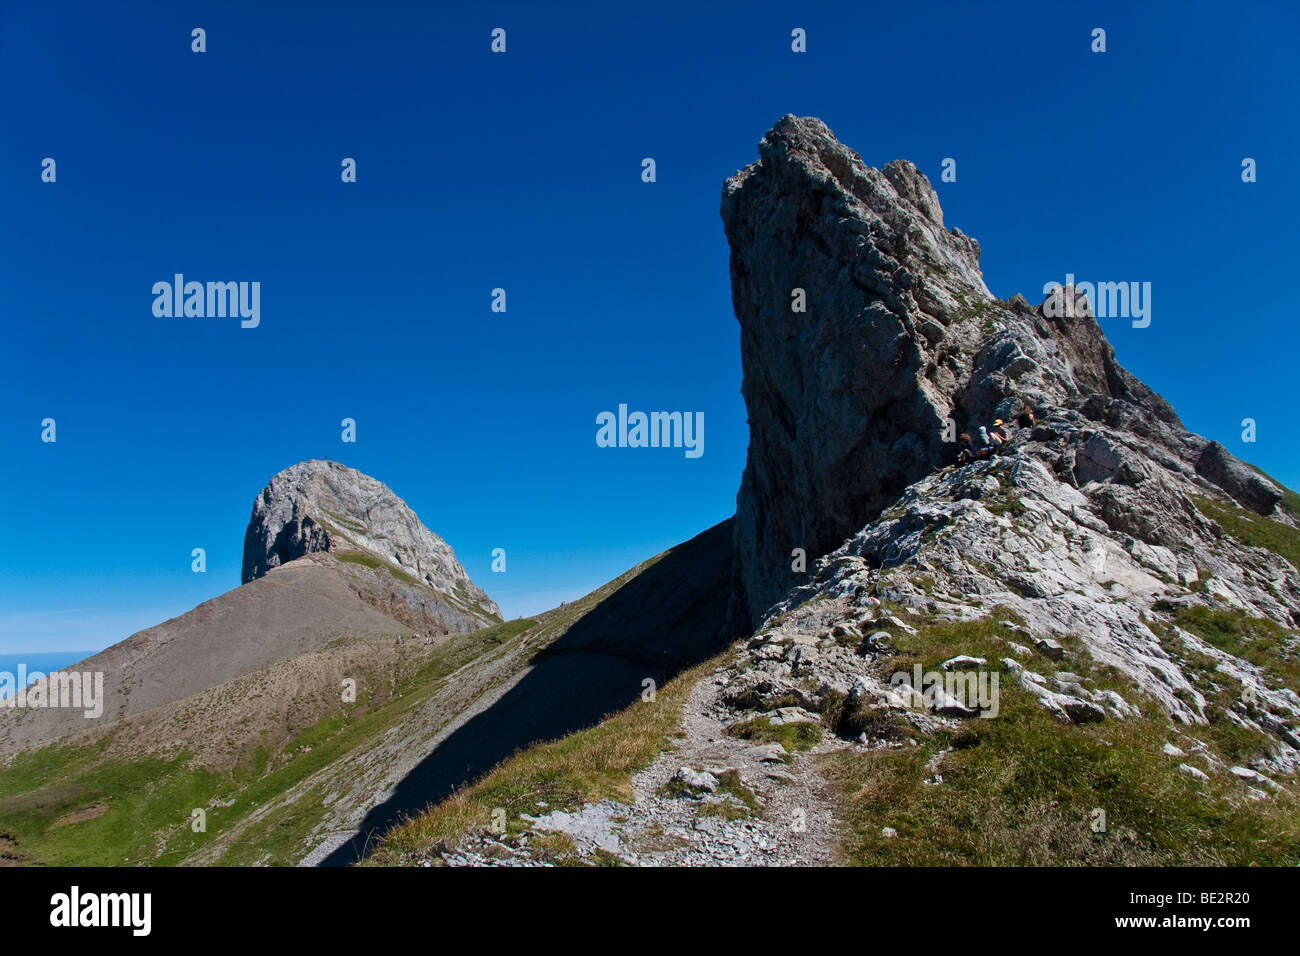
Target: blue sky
<point>522,171</point>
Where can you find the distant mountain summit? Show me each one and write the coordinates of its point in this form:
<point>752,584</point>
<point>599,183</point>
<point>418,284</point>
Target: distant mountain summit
<point>323,506</point>
<point>330,556</point>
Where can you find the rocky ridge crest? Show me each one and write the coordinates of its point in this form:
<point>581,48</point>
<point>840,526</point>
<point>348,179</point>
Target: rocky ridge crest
<point>1086,527</point>
<point>850,400</point>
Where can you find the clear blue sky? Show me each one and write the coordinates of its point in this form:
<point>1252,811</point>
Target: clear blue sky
<point>522,171</point>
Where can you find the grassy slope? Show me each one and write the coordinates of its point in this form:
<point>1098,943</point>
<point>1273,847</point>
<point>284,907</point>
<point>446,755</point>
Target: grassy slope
<point>1019,789</point>
<point>587,766</point>
<point>132,807</point>
<point>145,801</point>
<point>1252,529</point>
<point>1256,530</point>
<point>1023,788</point>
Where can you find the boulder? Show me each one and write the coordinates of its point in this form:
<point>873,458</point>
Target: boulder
<point>696,780</point>
<point>1238,479</point>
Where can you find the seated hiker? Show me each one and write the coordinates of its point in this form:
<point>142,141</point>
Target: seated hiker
<point>1026,419</point>
<point>967,453</point>
<point>983,445</point>
<point>999,433</point>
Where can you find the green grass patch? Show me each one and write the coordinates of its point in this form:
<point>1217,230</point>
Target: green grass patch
<point>743,805</point>
<point>63,805</point>
<point>1260,641</point>
<point>142,807</point>
<point>1010,505</point>
<point>793,737</point>
<point>368,560</point>
<point>850,717</point>
<point>1024,788</point>
<point>1252,529</point>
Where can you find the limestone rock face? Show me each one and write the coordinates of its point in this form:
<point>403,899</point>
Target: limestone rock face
<point>399,565</point>
<point>1085,525</point>
<point>831,261</point>
<point>869,341</point>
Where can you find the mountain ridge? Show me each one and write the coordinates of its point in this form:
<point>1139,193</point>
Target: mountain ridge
<point>869,340</point>
<point>1130,587</point>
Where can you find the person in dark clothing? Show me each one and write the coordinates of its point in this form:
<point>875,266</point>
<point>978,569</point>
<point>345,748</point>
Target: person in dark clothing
<point>967,453</point>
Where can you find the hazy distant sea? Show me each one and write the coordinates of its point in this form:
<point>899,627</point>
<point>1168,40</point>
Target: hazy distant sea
<point>42,661</point>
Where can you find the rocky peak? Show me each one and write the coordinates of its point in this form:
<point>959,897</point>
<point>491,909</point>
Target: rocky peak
<point>867,333</point>
<point>323,506</point>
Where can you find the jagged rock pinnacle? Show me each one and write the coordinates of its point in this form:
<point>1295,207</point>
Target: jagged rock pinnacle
<point>868,338</point>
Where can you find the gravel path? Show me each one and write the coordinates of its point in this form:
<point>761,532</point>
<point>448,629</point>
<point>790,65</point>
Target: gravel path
<point>790,822</point>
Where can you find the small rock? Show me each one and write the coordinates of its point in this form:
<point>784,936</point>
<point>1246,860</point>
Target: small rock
<point>1081,711</point>
<point>1050,648</point>
<point>792,715</point>
<point>1173,751</point>
<point>1121,707</point>
<point>1073,689</point>
<point>902,697</point>
<point>897,623</point>
<point>888,832</point>
<point>963,661</point>
<point>879,642</point>
<point>694,780</point>
<point>945,705</point>
<point>1192,771</point>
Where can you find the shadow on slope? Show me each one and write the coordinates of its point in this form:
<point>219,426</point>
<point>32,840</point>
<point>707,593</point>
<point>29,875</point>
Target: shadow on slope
<point>660,622</point>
